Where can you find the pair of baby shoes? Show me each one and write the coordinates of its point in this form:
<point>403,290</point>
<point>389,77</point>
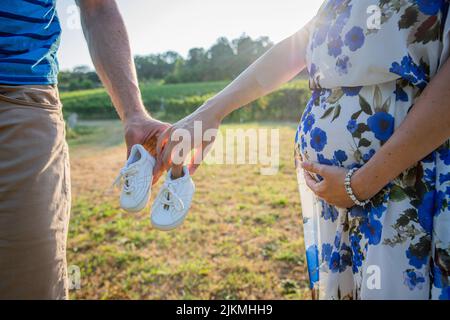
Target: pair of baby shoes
<point>173,201</point>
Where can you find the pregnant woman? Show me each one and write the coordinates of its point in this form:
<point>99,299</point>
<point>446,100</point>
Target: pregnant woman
<point>372,148</point>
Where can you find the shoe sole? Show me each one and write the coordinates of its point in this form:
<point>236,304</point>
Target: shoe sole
<point>168,227</point>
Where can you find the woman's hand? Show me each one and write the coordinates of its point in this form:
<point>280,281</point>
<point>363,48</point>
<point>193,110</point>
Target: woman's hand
<point>331,188</point>
<point>195,132</point>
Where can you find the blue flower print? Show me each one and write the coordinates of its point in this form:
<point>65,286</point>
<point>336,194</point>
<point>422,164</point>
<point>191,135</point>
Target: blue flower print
<point>429,175</point>
<point>425,211</point>
<point>444,155</point>
<point>312,256</point>
<point>445,293</point>
<point>336,3</point>
<point>329,212</point>
<point>357,256</point>
<point>337,240</point>
<point>346,257</point>
<point>367,156</point>
<point>320,35</point>
<point>437,276</point>
<point>308,123</point>
<point>372,229</point>
<point>340,156</point>
<point>342,65</point>
<point>326,252</point>
<point>429,7</point>
<point>439,282</point>
<point>413,279</point>
<point>357,211</point>
<point>312,70</point>
<point>439,202</point>
<point>324,96</point>
<point>410,71</point>
<point>352,126</point>
<point>335,262</point>
<point>443,178</point>
<point>400,94</point>
<point>354,39</point>
<point>338,25</point>
<point>377,211</point>
<point>382,125</point>
<point>318,139</point>
<point>335,47</point>
<point>304,145</point>
<point>335,30</point>
<point>322,160</point>
<point>430,158</point>
<point>416,261</point>
<point>351,91</point>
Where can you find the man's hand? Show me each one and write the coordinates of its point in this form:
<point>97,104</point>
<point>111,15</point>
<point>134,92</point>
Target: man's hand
<point>144,130</point>
<point>108,44</point>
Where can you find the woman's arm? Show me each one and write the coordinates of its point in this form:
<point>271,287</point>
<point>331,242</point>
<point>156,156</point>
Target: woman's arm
<point>425,128</point>
<point>276,67</point>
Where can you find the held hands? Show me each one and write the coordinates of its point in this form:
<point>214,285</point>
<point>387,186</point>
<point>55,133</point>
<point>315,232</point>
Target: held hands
<point>331,188</point>
<point>196,132</point>
<point>144,130</point>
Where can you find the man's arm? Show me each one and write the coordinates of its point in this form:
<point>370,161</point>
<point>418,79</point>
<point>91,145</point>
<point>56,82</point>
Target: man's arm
<point>109,47</point>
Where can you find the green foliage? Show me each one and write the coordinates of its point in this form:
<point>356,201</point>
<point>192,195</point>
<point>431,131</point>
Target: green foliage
<point>172,102</point>
<point>80,78</point>
<point>222,61</point>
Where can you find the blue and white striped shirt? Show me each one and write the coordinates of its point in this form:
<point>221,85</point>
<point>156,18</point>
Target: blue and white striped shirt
<point>29,39</point>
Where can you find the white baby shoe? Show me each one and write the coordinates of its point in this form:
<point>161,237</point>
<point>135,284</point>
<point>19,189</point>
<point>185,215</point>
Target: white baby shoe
<point>137,178</point>
<point>173,202</point>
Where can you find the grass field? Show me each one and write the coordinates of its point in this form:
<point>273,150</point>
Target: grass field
<point>241,240</point>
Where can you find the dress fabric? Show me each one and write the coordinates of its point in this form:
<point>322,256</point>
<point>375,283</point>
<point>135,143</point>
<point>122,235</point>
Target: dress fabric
<point>365,76</point>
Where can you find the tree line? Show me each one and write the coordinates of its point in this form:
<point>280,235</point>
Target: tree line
<point>224,60</point>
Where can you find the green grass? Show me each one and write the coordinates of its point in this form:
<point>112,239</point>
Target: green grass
<point>241,240</point>
<point>95,134</point>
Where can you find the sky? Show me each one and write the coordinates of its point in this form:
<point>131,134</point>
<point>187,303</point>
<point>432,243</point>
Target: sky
<point>157,26</point>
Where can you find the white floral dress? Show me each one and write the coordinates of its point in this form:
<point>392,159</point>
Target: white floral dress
<point>365,78</point>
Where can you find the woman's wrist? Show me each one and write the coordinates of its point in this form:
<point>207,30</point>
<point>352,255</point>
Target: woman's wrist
<point>215,109</point>
<point>364,184</point>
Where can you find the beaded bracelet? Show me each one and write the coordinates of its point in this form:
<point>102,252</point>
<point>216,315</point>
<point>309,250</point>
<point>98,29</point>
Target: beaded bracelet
<point>349,189</point>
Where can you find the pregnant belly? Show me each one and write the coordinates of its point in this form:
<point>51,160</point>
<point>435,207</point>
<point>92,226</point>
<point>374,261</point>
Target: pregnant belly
<point>347,126</point>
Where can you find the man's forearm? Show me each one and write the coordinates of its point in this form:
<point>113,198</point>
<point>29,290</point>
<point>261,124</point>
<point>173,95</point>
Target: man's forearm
<point>109,46</point>
<point>426,127</point>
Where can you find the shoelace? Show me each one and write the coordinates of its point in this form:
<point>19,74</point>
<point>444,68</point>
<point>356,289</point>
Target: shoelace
<point>169,197</point>
<point>127,175</point>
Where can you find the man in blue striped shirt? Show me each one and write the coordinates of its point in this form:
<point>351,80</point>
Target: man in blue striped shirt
<point>34,168</point>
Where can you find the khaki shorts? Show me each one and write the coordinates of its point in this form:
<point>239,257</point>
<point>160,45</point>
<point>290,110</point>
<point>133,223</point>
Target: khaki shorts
<point>34,194</point>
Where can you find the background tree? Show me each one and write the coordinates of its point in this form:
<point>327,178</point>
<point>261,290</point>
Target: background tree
<point>224,60</point>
